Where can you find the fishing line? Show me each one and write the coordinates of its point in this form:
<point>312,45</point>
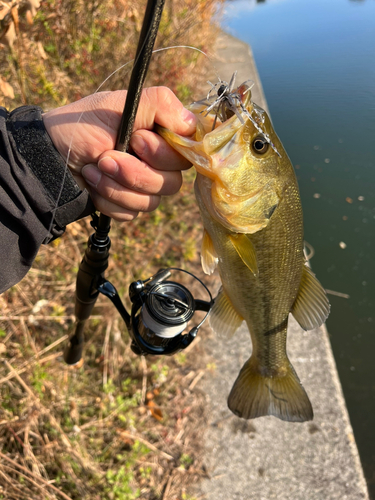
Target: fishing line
<point>133,61</point>
<point>309,257</point>
<point>309,247</point>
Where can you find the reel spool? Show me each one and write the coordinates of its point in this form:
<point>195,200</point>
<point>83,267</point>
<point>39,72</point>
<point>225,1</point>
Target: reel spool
<point>160,313</point>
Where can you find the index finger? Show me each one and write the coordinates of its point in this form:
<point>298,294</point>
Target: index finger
<point>160,105</point>
<point>157,105</point>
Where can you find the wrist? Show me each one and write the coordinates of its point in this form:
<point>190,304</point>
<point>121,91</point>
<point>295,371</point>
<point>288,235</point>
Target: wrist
<point>30,137</point>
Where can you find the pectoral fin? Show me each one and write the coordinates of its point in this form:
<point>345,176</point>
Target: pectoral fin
<point>224,319</point>
<point>209,258</point>
<point>246,251</point>
<point>311,307</point>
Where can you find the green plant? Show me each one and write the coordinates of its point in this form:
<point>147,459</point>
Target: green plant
<point>119,485</point>
<point>186,460</point>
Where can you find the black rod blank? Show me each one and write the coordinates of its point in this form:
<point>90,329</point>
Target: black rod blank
<point>146,43</point>
<point>142,59</point>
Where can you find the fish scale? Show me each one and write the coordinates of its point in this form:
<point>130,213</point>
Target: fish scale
<point>263,301</point>
<point>249,201</point>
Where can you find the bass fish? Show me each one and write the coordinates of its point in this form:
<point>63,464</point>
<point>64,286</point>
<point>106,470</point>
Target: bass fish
<point>249,201</point>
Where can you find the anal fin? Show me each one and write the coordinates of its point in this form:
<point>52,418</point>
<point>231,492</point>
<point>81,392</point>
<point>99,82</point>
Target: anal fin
<point>224,319</point>
<point>311,307</point>
<point>246,251</point>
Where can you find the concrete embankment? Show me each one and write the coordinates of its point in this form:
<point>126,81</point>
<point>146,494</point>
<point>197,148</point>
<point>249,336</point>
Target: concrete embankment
<point>266,458</point>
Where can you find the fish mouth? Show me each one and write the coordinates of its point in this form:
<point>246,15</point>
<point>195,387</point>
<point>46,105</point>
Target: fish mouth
<point>217,139</point>
<point>239,192</point>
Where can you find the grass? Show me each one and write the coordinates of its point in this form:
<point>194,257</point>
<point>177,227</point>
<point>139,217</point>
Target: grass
<point>73,45</point>
<point>116,426</point>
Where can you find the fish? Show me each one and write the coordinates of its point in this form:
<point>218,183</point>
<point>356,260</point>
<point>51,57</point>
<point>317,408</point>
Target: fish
<point>249,201</point>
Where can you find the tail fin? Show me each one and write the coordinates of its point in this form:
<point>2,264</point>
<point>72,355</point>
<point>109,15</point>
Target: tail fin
<point>282,395</point>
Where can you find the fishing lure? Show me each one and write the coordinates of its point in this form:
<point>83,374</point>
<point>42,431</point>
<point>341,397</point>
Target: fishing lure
<point>229,101</point>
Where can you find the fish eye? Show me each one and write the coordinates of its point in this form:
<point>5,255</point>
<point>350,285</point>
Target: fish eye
<point>259,145</point>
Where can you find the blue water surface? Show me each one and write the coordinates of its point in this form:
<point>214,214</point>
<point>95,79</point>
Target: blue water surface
<point>316,61</point>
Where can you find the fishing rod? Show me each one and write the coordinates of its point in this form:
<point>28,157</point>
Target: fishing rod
<point>161,309</point>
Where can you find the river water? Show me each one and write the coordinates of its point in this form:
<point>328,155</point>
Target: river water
<point>316,60</point>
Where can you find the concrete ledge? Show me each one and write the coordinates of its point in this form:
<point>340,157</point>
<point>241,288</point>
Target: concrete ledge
<point>266,458</point>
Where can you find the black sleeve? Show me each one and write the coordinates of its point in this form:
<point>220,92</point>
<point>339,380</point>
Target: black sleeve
<point>38,194</point>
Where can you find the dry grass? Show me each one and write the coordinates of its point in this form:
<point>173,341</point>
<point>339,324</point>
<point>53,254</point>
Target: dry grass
<point>117,427</point>
<point>73,45</point>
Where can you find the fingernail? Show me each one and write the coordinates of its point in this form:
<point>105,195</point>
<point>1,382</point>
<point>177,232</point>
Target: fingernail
<point>91,174</point>
<point>138,144</point>
<point>108,165</point>
<point>188,117</point>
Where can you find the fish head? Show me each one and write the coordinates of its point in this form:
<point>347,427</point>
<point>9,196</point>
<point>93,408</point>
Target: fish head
<point>241,163</point>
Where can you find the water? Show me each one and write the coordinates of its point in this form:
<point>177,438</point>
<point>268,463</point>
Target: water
<point>316,60</point>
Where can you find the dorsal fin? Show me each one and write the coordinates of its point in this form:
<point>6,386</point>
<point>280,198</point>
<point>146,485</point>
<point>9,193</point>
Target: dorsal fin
<point>311,307</point>
<point>209,258</point>
<point>246,251</point>
<point>224,319</point>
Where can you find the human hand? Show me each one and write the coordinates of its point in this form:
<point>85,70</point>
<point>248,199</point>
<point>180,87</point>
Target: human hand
<point>120,184</point>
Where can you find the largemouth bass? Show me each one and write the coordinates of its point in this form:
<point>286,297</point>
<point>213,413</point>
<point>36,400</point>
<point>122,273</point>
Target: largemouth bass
<point>249,201</point>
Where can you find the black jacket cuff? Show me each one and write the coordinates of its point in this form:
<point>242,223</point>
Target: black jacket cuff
<point>68,203</point>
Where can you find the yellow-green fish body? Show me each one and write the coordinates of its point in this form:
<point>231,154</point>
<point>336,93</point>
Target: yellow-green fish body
<point>253,232</point>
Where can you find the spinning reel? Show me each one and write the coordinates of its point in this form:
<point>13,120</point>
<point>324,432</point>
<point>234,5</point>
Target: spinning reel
<point>160,312</point>
<point>164,309</point>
